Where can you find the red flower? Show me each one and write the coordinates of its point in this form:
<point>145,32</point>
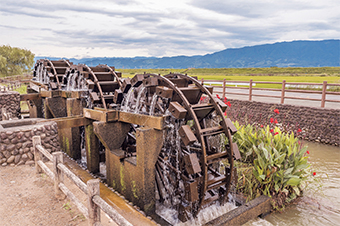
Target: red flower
<point>275,121</point>
<point>261,126</point>
<point>202,99</point>
<point>307,152</point>
<point>217,96</point>
<point>271,120</point>
<point>225,113</point>
<point>276,133</point>
<point>277,111</point>
<point>299,130</point>
<point>228,103</point>
<point>314,173</point>
<point>225,99</point>
<point>271,130</point>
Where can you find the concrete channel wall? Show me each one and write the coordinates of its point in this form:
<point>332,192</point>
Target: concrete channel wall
<point>313,124</point>
<point>16,146</point>
<point>10,100</point>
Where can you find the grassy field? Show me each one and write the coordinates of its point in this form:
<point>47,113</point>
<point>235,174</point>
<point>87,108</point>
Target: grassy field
<point>22,90</point>
<point>273,74</point>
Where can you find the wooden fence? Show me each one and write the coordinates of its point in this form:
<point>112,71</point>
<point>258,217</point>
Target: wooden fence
<point>91,188</point>
<point>14,82</point>
<point>10,87</point>
<point>224,85</point>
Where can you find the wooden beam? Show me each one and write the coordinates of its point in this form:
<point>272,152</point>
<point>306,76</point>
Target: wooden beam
<point>36,86</point>
<point>68,122</point>
<point>49,93</point>
<point>244,213</point>
<point>30,96</point>
<point>71,94</point>
<point>101,115</point>
<point>142,120</point>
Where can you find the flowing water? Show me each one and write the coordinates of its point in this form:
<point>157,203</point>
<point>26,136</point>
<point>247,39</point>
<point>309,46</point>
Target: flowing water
<point>318,205</point>
<point>127,100</point>
<point>153,104</point>
<point>140,93</point>
<point>203,216</point>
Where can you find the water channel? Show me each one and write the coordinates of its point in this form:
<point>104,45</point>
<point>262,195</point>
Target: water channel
<point>318,205</point>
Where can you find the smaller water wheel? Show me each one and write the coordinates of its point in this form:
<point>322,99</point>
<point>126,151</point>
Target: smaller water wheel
<point>51,72</point>
<point>194,168</point>
<point>101,81</point>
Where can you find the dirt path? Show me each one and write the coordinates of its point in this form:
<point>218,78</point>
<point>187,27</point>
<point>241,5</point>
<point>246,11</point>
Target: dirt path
<point>27,198</point>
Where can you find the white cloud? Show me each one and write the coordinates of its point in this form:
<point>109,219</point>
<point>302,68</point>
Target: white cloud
<point>161,28</point>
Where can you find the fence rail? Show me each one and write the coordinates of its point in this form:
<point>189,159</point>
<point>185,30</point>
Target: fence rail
<point>91,188</point>
<point>13,82</point>
<point>10,87</point>
<point>226,85</point>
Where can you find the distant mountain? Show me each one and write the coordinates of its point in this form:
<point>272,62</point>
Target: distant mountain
<point>282,54</point>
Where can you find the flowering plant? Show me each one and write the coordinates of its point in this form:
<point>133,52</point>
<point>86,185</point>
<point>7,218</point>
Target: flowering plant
<point>273,163</point>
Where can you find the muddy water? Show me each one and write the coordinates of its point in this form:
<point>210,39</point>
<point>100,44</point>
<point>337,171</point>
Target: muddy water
<point>318,207</point>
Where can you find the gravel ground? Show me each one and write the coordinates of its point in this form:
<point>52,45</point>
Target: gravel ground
<point>27,198</point>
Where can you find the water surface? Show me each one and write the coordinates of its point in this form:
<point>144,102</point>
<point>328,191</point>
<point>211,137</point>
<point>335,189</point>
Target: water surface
<point>318,206</point>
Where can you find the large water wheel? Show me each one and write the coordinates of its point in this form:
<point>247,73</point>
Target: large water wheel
<point>194,168</point>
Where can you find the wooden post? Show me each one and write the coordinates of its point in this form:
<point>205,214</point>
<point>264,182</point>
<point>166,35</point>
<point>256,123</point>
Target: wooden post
<point>223,86</point>
<point>58,174</point>
<point>37,154</point>
<point>94,210</point>
<point>202,81</point>
<point>323,98</point>
<point>250,89</point>
<point>92,149</point>
<point>283,91</point>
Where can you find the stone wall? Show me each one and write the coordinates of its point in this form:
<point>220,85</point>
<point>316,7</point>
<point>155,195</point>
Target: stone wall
<point>10,100</point>
<point>16,147</point>
<point>314,124</point>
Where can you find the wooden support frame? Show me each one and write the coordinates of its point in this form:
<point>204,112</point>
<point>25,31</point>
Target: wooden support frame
<point>154,122</point>
<point>101,115</point>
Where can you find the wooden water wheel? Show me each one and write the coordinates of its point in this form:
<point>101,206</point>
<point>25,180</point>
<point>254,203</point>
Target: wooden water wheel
<point>194,168</point>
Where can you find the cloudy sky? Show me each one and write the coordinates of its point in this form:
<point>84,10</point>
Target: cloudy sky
<point>129,28</point>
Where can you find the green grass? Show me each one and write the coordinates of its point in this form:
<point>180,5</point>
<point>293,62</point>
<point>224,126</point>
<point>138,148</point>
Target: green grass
<point>22,89</point>
<point>273,74</point>
<point>273,71</point>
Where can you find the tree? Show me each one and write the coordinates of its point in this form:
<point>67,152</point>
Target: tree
<point>15,61</point>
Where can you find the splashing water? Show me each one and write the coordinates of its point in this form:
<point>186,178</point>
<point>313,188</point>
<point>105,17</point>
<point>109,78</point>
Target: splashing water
<point>86,97</point>
<point>153,104</point>
<point>81,83</point>
<point>82,161</point>
<point>69,82</point>
<point>203,216</point>
<point>41,68</point>
<point>141,91</point>
<point>127,100</point>
<point>38,73</point>
<point>46,77</point>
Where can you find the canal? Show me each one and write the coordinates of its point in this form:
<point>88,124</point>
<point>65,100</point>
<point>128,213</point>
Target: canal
<point>320,203</point>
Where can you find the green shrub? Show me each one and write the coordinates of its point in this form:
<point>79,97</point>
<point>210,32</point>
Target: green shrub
<point>273,163</point>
